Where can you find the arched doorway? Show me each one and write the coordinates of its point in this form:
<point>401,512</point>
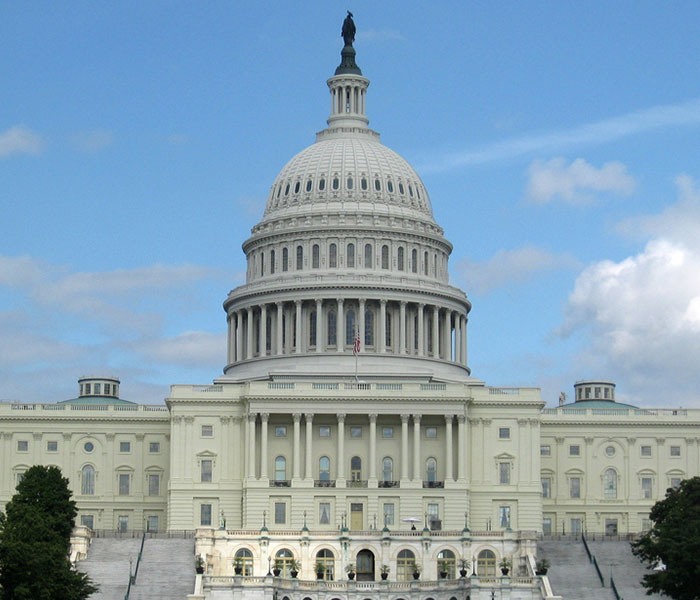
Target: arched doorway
<point>365,565</point>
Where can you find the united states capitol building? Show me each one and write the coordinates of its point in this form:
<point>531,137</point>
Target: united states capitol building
<point>347,432</point>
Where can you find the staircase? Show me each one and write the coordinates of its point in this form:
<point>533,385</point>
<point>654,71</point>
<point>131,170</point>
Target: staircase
<point>571,574</point>
<point>107,564</point>
<point>166,571</point>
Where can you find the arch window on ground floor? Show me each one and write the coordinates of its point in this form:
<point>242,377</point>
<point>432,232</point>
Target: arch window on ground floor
<point>325,564</point>
<point>446,563</point>
<point>244,558</point>
<point>486,564</point>
<point>405,563</point>
<point>283,561</point>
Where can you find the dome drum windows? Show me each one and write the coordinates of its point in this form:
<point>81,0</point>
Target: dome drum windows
<point>333,256</point>
<point>390,186</point>
<point>297,187</point>
<point>315,256</point>
<point>309,185</point>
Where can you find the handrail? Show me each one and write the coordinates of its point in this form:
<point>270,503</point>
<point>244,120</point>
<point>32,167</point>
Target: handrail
<point>132,578</point>
<point>614,587</point>
<point>600,575</point>
<point>588,550</point>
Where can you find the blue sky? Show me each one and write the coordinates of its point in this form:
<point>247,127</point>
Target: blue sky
<point>559,143</point>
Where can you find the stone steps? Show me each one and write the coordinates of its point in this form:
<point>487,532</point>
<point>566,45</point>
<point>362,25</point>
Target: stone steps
<point>107,564</point>
<point>166,571</point>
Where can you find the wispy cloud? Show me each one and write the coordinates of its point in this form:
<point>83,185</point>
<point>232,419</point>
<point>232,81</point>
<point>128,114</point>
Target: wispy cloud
<point>574,183</point>
<point>607,130</point>
<point>380,35</point>
<point>20,140</point>
<point>93,140</point>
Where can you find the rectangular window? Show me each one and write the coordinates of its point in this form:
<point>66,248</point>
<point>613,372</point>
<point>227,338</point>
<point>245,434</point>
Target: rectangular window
<point>504,472</point>
<point>207,430</point>
<point>547,524</point>
<point>97,389</point>
<point>431,432</point>
<point>388,513</point>
<point>152,523</point>
<point>675,450</point>
<point>646,487</point>
<point>153,484</point>
<point>52,446</point>
<point>154,447</point>
<point>575,487</point>
<point>504,433</point>
<point>22,446</point>
<point>646,450</point>
<point>124,446</point>
<point>280,513</point>
<point>324,513</point>
<point>433,512</point>
<point>124,481</point>
<point>280,431</point>
<point>387,432</point>
<point>597,392</point>
<point>123,523</point>
<point>546,487</point>
<point>206,468</point>
<point>575,526</point>
<point>87,521</point>
<point>675,482</point>
<point>504,516</point>
<point>356,432</point>
<point>324,431</point>
<point>20,476</point>
<point>646,525</point>
<point>610,526</point>
<point>575,450</point>
<point>205,514</point>
<point>545,451</point>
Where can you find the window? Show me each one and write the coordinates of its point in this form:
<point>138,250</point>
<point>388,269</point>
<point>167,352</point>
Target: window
<point>646,525</point>
<point>87,480</point>
<point>350,255</point>
<point>504,472</point>
<point>324,513</point>
<point>206,470</point>
<point>52,446</point>
<point>22,446</point>
<point>646,450</point>
<point>154,447</point>
<point>296,187</point>
<point>377,185</point>
<point>207,430</point>
<point>675,450</point>
<point>98,389</point>
<point>545,451</point>
<point>88,447</point>
<point>610,451</point>
<point>324,468</point>
<point>363,183</point>
<point>20,476</point>
<point>322,184</point>
<point>356,431</point>
<point>285,259</point>
<point>574,450</point>
<point>349,183</point>
<point>575,525</point>
<point>324,431</point>
<point>546,487</point>
<point>87,521</point>
<point>405,562</point>
<point>124,481</point>
<point>152,523</point>
<point>325,560</point>
<point>272,262</point>
<point>124,446</point>
<point>369,328</point>
<point>356,468</point>
<point>431,432</point>
<point>312,329</point>
<point>332,329</point>
<point>350,327</point>
<point>414,261</point>
<point>646,487</point>
<point>390,186</point>
<point>387,432</point>
<point>385,257</point>
<point>387,469</point>
<point>300,258</point>
<point>387,330</point>
<point>315,256</point>
<point>332,256</point>
<point>280,431</point>
<point>205,514</point>
<point>336,183</point>
<point>486,564</point>
<point>446,563</point>
<point>399,258</point>
<point>575,487</point>
<point>504,516</point>
<point>610,526</point>
<point>425,262</point>
<point>280,468</point>
<point>153,484</point>
<point>675,482</point>
<point>368,256</point>
<point>547,526</point>
<point>280,513</point>
<point>87,388</point>
<point>244,557</point>
<point>504,433</point>
<point>610,484</point>
<point>388,513</point>
<point>431,470</point>
<point>308,185</point>
<point>433,514</point>
<point>123,523</point>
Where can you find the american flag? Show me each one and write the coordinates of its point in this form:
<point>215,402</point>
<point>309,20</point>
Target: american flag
<point>356,345</point>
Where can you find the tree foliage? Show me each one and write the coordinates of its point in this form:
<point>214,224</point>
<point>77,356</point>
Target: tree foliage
<point>35,541</point>
<point>674,540</point>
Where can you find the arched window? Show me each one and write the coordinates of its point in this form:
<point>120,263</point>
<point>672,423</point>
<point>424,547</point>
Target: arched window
<point>350,327</point>
<point>268,333</point>
<point>349,183</point>
<point>435,270</point>
<point>324,468</point>
<point>401,190</point>
<point>262,264</point>
<point>446,563</point>
<point>87,487</point>
<point>325,563</point>
<point>285,259</point>
<point>425,263</point>
<point>385,256</point>
<point>356,468</point>
<point>351,255</point>
<point>486,564</point>
<point>431,470</point>
<point>387,330</point>
<point>399,259</point>
<point>272,262</point>
<point>410,190</point>
<point>363,183</point>
<point>283,561</point>
<point>244,558</point>
<point>308,185</point>
<point>610,484</point>
<point>405,563</point>
<point>414,261</point>
<point>390,186</point>
<point>300,258</point>
<point>280,468</point>
<point>297,186</point>
<point>369,328</point>
<point>331,328</point>
<point>368,256</point>
<point>336,183</point>
<point>333,256</point>
<point>286,190</point>
<point>387,469</point>
<point>315,256</point>
<point>312,328</point>
<point>377,185</point>
<point>321,184</point>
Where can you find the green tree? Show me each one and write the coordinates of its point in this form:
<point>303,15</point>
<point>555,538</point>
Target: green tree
<point>674,540</point>
<point>35,541</point>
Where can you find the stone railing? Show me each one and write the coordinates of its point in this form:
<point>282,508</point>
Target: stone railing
<point>7,408</point>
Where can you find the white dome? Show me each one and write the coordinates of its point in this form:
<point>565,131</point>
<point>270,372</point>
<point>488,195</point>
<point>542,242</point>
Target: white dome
<point>348,171</point>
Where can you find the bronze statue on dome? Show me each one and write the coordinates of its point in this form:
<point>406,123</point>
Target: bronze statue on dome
<point>348,31</point>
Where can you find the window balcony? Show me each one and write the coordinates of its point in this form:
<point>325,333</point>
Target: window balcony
<point>280,483</point>
<point>357,483</point>
<point>330,483</point>
<point>433,484</point>
<point>388,484</point>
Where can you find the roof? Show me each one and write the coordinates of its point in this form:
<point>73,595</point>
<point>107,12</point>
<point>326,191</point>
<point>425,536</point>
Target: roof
<point>95,400</point>
<point>597,403</point>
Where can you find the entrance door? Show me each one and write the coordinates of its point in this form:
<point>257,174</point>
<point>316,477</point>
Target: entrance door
<point>610,526</point>
<point>365,565</point>
<point>356,518</point>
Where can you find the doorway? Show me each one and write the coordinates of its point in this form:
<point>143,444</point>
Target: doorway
<point>365,565</point>
<point>357,521</point>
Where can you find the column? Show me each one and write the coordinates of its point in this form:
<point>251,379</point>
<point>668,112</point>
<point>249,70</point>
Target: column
<point>404,446</point>
<point>340,465</point>
<point>361,322</point>
<point>372,446</point>
<point>239,335</point>
<point>309,436</point>
<point>279,327</point>
<point>296,466</point>
<point>250,347</point>
<point>436,331</point>
<point>263,330</point>
<point>251,446</point>
<point>382,326</point>
<point>449,473</point>
<point>463,352</point>
<point>340,327</point>
<point>421,339</point>
<point>402,328</point>
<point>297,350</point>
<point>231,346</point>
<point>417,471</point>
<point>225,445</point>
<point>319,326</point>
<point>263,444</point>
<point>458,338</point>
<point>461,439</point>
<point>189,453</point>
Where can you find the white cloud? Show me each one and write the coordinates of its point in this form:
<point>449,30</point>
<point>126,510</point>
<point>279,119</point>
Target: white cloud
<point>93,140</point>
<point>20,140</point>
<point>372,35</point>
<point>510,266</point>
<point>190,348</point>
<point>575,182</point>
